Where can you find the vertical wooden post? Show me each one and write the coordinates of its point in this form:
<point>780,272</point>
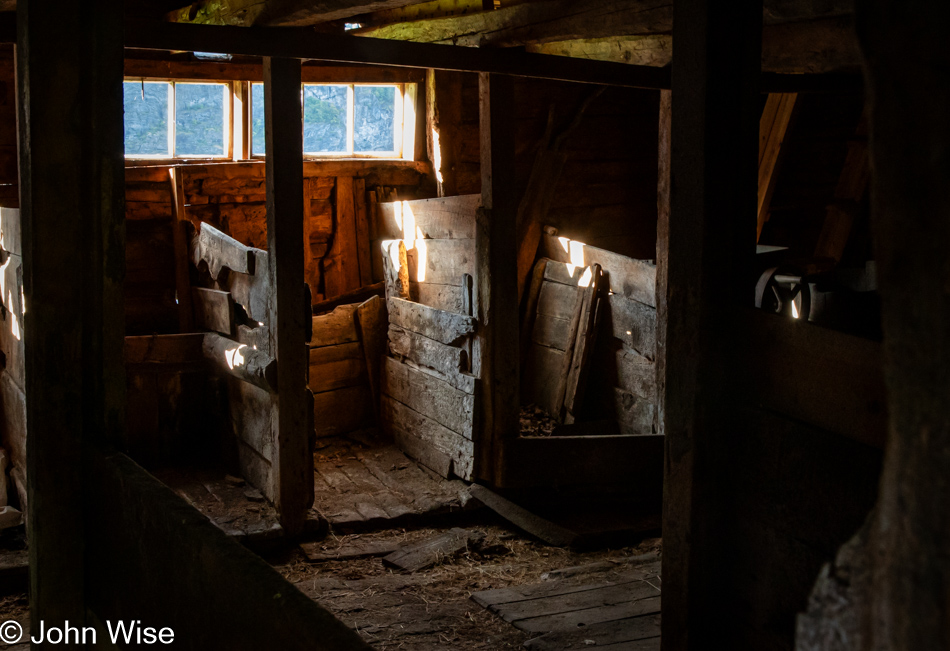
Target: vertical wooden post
<point>496,278</point>
<point>910,220</point>
<point>663,179</point>
<point>69,79</point>
<point>180,226</point>
<point>710,248</point>
<point>293,461</point>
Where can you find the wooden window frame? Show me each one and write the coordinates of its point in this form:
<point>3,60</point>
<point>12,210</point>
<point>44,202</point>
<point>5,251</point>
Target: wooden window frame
<point>229,126</point>
<point>404,122</point>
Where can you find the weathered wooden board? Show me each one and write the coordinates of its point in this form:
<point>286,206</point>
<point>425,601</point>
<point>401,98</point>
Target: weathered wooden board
<point>443,218</point>
<point>429,396</point>
<point>320,552</point>
<point>634,414</point>
<point>432,551</point>
<point>441,261</point>
<point>551,331</point>
<point>589,314</point>
<point>543,375</point>
<point>449,361</point>
<point>450,298</point>
<point>337,327</point>
<point>441,325</point>
<point>337,367</point>
<point>639,633</point>
<point>241,361</point>
<point>395,268</point>
<point>341,268</point>
<point>825,378</point>
<point>635,279</point>
<point>371,322</point>
<point>549,532</point>
<point>563,272</point>
<point>11,317</point>
<point>362,232</point>
<point>636,374</point>
<point>435,446</point>
<point>633,323</point>
<point>253,292</point>
<point>13,420</point>
<point>214,310</point>
<point>557,300</point>
<point>220,251</point>
<point>10,238</point>
<point>341,411</point>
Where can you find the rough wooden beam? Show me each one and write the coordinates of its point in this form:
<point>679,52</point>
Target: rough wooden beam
<point>288,310</point>
<point>238,360</point>
<point>245,13</point>
<point>72,196</point>
<point>818,46</point>
<point>301,43</point>
<point>563,20</point>
<point>890,586</point>
<point>496,282</point>
<point>710,240</point>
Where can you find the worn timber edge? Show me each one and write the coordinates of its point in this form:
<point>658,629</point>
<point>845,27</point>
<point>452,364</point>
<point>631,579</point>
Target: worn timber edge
<point>151,532</point>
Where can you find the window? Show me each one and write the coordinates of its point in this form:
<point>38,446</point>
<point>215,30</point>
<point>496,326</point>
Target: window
<point>166,119</point>
<point>344,119</point>
<point>177,119</point>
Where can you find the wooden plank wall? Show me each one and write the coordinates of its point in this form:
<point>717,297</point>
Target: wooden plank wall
<point>439,262</point>
<point>427,380</point>
<point>623,380</point>
<point>343,399</point>
<point>12,373</point>
<point>606,195</point>
<point>230,197</point>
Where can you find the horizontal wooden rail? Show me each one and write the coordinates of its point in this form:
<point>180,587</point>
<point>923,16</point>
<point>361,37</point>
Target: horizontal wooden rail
<point>304,43</point>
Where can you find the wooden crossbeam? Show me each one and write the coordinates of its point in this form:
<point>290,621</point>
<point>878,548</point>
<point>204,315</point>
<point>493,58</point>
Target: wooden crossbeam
<point>302,43</point>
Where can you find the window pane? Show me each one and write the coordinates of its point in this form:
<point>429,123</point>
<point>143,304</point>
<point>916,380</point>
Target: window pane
<point>324,119</point>
<point>258,145</point>
<point>375,116</point>
<point>199,120</point>
<point>146,119</point>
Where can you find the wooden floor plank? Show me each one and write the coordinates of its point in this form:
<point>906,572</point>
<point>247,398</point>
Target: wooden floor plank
<point>537,591</point>
<point>574,619</point>
<point>575,601</point>
<point>640,633</point>
<point>366,483</point>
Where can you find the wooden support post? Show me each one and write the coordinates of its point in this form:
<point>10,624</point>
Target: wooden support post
<point>496,279</point>
<point>895,584</point>
<point>663,179</point>
<point>710,244</point>
<point>180,229</point>
<point>72,195</point>
<point>443,118</point>
<point>293,465</point>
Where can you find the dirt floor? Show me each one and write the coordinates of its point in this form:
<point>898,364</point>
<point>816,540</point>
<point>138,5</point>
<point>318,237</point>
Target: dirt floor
<point>431,609</point>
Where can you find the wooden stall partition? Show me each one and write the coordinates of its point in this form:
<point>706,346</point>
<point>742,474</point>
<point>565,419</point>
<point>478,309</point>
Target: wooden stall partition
<point>428,378</point>
<point>345,350</point>
<point>623,384</point>
<point>588,349</point>
<point>13,371</point>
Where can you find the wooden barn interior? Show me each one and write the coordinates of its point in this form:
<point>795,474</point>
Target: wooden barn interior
<point>475,324</point>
